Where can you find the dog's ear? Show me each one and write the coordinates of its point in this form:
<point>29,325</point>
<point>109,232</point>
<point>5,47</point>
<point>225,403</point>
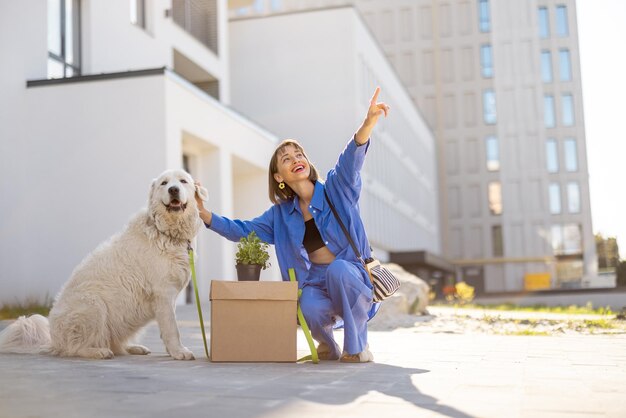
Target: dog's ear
<point>152,188</point>
<point>202,193</point>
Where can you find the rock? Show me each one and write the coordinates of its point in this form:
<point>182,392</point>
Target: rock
<point>413,292</point>
<point>411,299</point>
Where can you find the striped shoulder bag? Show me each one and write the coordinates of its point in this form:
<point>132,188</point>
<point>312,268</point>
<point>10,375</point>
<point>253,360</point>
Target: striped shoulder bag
<point>384,282</point>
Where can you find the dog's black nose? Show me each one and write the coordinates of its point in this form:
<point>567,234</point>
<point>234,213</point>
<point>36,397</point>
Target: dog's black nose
<point>173,190</point>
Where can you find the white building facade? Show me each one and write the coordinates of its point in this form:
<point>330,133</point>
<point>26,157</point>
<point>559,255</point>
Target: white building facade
<point>78,153</point>
<point>101,97</point>
<point>499,84</point>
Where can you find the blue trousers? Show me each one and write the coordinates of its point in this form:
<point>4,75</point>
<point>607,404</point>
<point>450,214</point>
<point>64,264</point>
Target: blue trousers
<point>337,290</point>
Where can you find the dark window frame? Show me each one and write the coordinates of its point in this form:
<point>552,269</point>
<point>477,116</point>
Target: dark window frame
<point>140,10</point>
<point>497,241</point>
<point>77,53</point>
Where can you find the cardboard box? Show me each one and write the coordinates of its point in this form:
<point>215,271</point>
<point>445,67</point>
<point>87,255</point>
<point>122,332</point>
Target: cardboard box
<point>253,321</point>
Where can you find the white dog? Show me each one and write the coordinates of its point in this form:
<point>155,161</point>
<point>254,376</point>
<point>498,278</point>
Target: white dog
<point>126,282</point>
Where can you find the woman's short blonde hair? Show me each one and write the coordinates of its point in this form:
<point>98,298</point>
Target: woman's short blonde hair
<point>278,195</point>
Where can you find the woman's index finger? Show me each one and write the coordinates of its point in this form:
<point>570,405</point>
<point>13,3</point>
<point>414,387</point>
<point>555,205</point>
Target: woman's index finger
<point>375,96</point>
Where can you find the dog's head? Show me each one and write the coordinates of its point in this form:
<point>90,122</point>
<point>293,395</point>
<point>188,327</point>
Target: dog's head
<point>173,190</point>
<point>172,203</point>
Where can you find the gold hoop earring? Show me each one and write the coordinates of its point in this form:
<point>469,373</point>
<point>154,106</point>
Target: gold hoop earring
<point>281,185</point>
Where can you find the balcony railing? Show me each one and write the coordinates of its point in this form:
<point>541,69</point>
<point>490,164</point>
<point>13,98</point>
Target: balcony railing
<point>199,18</point>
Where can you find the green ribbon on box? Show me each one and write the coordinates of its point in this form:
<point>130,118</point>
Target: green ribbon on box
<point>305,327</point>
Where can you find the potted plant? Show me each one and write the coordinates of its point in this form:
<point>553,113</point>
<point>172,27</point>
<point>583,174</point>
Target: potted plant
<point>251,257</point>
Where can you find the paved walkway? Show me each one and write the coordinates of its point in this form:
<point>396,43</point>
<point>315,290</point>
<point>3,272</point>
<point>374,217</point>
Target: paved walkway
<point>416,374</point>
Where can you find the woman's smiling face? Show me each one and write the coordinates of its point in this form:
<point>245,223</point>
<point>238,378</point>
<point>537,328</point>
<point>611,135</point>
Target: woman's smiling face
<point>292,165</point>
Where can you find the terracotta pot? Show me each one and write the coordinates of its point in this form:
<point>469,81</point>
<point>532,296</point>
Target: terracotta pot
<point>248,272</point>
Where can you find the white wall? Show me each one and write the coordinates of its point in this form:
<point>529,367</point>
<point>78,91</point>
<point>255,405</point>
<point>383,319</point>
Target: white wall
<point>82,162</point>
<point>80,169</point>
<point>111,43</point>
<point>294,78</point>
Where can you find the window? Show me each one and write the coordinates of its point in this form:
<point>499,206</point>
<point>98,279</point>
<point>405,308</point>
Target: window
<point>484,19</point>
<point>138,13</point>
<point>566,239</point>
<point>548,111</point>
<point>572,239</point>
<point>63,38</point>
<point>556,233</point>
<point>565,68</point>
<point>552,156</point>
<point>259,6</point>
<point>496,241</point>
<point>562,28</point>
<point>554,198</point>
<point>495,197</point>
<point>489,107</point>
<point>573,197</point>
<point>492,153</point>
<point>567,103</point>
<point>544,23</point>
<point>571,155</point>
<point>546,66</point>
<point>486,61</point>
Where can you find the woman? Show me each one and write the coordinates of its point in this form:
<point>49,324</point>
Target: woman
<point>309,239</point>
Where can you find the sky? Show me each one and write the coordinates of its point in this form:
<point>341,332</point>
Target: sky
<point>602,42</point>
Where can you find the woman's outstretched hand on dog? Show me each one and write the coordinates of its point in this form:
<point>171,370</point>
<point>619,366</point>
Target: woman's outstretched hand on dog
<point>375,110</point>
<point>205,215</point>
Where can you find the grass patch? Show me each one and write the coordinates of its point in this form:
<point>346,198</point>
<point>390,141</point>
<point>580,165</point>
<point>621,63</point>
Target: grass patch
<point>599,323</point>
<point>527,332</point>
<point>588,309</point>
<point>29,307</point>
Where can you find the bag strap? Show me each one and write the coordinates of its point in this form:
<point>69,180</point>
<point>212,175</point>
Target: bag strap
<point>343,228</point>
<point>195,289</point>
<point>305,327</point>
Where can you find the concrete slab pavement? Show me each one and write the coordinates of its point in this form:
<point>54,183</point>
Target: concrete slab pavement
<point>417,373</point>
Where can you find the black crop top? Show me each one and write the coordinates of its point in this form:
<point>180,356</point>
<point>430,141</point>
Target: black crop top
<point>312,239</point>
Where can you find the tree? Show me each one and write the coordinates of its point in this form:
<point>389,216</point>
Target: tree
<point>621,274</point>
<point>608,252</point>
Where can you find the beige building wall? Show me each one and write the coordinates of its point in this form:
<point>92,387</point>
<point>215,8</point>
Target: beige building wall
<point>519,213</point>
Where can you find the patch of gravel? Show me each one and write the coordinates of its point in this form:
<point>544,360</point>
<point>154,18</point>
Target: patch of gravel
<point>450,320</point>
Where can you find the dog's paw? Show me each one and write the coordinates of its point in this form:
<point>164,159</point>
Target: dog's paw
<point>182,354</point>
<point>137,349</point>
<point>96,353</point>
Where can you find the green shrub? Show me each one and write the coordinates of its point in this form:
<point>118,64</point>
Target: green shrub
<point>251,250</point>
<point>28,307</point>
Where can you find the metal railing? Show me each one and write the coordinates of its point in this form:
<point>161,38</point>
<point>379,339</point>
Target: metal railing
<point>199,18</point>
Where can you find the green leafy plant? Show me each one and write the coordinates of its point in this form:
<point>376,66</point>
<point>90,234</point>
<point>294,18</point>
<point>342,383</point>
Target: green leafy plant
<point>251,250</point>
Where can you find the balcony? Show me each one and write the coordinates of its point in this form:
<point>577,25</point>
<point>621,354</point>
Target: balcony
<point>199,19</point>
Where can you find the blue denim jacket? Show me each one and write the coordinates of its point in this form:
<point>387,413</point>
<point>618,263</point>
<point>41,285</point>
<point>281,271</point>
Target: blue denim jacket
<point>283,224</point>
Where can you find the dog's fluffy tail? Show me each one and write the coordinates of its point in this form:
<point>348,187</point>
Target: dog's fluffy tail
<point>26,335</point>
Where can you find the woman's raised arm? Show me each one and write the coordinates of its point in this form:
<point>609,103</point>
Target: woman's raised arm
<point>375,110</point>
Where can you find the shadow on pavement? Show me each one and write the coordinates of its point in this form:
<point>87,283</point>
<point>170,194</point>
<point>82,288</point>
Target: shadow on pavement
<point>393,381</point>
